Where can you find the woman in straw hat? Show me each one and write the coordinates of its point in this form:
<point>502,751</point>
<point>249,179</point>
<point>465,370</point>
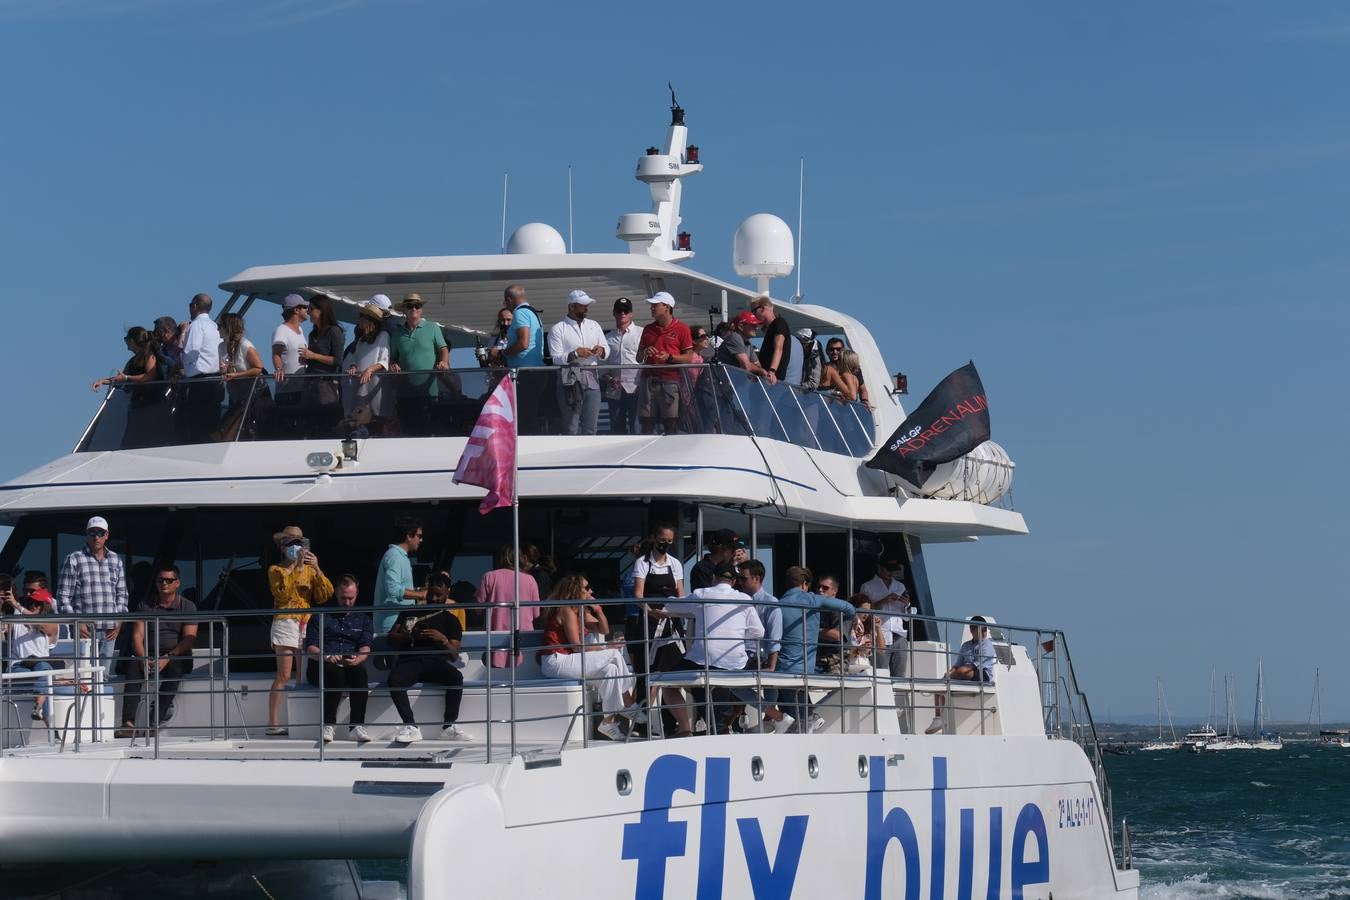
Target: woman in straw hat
<point>297,583</point>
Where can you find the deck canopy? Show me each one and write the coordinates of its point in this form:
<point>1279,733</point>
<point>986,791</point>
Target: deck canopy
<point>464,293</point>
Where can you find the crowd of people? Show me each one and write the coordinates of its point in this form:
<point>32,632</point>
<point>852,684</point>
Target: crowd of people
<point>718,617</point>
<point>666,377</point>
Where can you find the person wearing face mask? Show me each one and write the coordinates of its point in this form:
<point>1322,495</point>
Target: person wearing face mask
<point>297,583</point>
<point>658,576</point>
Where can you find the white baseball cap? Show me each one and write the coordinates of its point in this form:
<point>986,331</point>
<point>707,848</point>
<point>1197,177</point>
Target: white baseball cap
<point>382,302</point>
<point>662,297</point>
<point>580,297</point>
<point>96,522</point>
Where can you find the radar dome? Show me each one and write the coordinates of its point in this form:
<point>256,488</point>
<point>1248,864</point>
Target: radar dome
<point>536,237</point>
<point>763,247</point>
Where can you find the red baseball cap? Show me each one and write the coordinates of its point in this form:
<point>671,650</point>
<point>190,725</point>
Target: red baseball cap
<point>746,318</point>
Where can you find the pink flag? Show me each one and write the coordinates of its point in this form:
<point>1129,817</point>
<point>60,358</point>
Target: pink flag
<point>489,458</point>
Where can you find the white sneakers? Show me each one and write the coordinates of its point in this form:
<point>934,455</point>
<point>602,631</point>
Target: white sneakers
<point>935,726</point>
<point>408,734</point>
<point>455,733</point>
<point>359,734</point>
<point>328,733</point>
<point>611,731</point>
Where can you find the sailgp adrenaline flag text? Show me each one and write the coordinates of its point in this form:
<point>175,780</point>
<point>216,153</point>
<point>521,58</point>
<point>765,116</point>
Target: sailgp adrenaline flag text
<point>950,422</point>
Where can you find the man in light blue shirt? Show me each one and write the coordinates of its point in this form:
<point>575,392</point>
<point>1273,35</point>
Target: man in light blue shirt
<point>801,629</point>
<point>525,350</point>
<point>394,582</point>
<point>764,652</point>
<point>974,662</point>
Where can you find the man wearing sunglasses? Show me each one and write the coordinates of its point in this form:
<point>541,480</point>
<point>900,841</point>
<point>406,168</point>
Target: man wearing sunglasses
<point>162,647</point>
<point>419,348</point>
<point>93,583</point>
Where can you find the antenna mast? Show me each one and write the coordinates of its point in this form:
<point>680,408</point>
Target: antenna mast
<point>505,178</point>
<point>570,248</point>
<point>801,199</point>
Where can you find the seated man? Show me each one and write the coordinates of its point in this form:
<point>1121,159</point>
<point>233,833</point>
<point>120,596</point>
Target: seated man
<point>30,641</point>
<point>974,662</point>
<point>165,651</point>
<point>724,620</point>
<point>435,635</point>
<point>340,642</point>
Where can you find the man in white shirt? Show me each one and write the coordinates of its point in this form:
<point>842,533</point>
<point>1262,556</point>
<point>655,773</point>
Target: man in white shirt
<point>287,341</point>
<point>724,620</point>
<point>576,345</point>
<point>621,386</point>
<point>890,596</point>
<point>200,411</point>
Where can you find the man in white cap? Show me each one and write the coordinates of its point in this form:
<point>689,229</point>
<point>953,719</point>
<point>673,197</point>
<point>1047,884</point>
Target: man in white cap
<point>388,321</point>
<point>93,582</point>
<point>287,342</point>
<point>666,342</point>
<point>577,344</point>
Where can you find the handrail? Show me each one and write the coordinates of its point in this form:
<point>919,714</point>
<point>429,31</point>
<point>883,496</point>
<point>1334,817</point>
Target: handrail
<point>713,399</point>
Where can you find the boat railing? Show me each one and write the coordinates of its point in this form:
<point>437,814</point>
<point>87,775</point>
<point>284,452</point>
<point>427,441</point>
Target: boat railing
<point>852,689</point>
<point>704,399</point>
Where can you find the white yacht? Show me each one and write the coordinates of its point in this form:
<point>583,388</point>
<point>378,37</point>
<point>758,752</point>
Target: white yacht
<point>1008,799</point>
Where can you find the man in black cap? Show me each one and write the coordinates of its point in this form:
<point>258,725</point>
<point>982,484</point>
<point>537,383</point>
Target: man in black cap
<point>622,385</point>
<point>722,545</point>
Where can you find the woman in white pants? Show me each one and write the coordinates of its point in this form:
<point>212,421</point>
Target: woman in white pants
<point>603,666</point>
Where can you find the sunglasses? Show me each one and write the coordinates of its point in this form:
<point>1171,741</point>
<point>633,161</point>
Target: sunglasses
<point>95,532</point>
<point>166,580</point>
<point>412,306</point>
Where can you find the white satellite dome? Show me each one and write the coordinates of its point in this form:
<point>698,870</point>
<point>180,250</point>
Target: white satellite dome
<point>763,248</point>
<point>536,237</point>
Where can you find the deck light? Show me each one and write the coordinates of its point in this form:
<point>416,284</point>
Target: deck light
<point>349,449</point>
<point>684,239</point>
<point>691,154</point>
<point>901,383</point>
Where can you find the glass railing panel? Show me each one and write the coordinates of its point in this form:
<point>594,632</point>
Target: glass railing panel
<point>857,440</point>
<point>818,416</point>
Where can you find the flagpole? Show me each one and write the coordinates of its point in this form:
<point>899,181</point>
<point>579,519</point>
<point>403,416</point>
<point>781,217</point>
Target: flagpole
<point>515,541</point>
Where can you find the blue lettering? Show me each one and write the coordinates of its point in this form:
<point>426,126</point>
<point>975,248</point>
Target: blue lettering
<point>966,863</point>
<point>995,852</point>
<point>937,881</point>
<point>773,883</point>
<point>881,829</point>
<point>654,838</point>
<point>1029,822</point>
<point>712,834</point>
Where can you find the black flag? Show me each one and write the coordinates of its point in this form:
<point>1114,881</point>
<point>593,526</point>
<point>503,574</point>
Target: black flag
<point>950,422</point>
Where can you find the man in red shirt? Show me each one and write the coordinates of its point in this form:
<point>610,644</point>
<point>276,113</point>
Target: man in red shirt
<point>665,342</point>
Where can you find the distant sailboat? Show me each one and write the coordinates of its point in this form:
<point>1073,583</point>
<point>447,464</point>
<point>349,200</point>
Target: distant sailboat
<point>1231,739</point>
<point>1201,738</point>
<point>1335,737</point>
<point>1161,744</point>
<point>1262,739</point>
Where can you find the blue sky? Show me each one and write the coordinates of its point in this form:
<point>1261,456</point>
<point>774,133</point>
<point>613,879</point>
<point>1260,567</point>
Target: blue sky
<point>1133,218</point>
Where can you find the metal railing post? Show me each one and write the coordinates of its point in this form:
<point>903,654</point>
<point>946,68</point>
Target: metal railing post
<point>323,697</point>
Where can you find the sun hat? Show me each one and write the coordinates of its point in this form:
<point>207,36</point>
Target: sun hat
<point>580,297</point>
<point>288,534</point>
<point>662,297</point>
<point>412,297</point>
<point>372,311</point>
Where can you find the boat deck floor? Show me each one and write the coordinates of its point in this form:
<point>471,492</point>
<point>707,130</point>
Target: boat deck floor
<point>425,751</point>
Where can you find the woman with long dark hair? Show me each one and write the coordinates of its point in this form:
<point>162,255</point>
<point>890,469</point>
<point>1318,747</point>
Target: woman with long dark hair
<point>140,369</point>
<point>322,356</point>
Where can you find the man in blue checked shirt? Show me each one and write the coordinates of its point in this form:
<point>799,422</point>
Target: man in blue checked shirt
<point>93,583</point>
<point>974,662</point>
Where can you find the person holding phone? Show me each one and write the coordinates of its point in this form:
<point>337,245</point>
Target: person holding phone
<point>297,583</point>
<point>30,642</point>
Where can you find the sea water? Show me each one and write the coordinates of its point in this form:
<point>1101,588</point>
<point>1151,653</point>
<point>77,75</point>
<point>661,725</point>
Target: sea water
<point>1238,824</point>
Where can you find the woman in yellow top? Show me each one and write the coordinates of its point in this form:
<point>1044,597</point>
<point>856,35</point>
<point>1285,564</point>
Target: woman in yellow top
<point>296,583</point>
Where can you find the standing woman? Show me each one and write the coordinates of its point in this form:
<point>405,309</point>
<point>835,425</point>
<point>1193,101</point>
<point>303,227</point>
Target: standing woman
<point>498,587</point>
<point>143,367</point>
<point>366,359</point>
<point>322,356</point>
<point>240,366</point>
<point>562,655</point>
<point>657,576</point>
<point>297,583</point>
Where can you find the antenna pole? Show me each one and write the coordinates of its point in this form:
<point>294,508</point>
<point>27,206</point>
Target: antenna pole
<point>801,197</point>
<point>506,176</point>
<point>570,247</point>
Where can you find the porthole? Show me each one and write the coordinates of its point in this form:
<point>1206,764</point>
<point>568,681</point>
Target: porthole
<point>813,766</point>
<point>757,768</point>
<point>624,783</point>
<point>862,767</point>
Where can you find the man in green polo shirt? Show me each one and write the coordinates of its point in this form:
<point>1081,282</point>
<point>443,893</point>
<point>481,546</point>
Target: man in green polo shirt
<point>417,347</point>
